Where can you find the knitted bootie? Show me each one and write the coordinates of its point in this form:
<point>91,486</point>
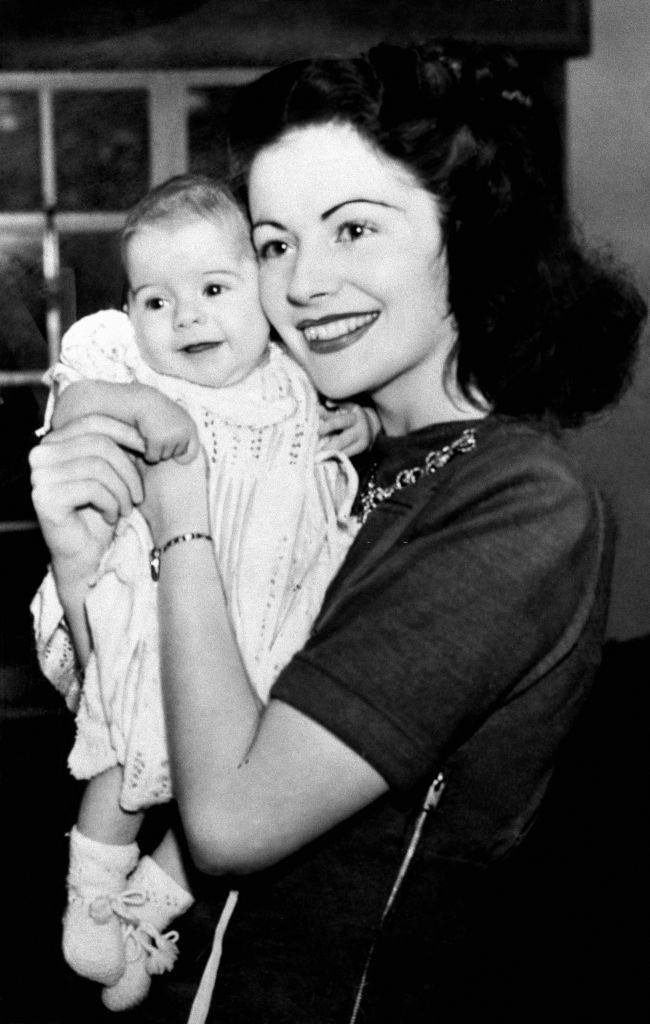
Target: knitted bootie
<point>93,943</point>
<point>148,952</point>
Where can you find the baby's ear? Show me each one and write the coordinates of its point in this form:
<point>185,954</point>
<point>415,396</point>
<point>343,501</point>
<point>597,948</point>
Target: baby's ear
<point>124,297</point>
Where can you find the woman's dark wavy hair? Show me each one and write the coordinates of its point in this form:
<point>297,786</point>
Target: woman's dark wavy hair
<point>546,329</point>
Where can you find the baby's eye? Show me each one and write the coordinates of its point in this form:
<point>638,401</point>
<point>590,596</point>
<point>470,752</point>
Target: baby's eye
<point>213,289</point>
<point>352,230</point>
<point>155,302</point>
<point>272,250</point>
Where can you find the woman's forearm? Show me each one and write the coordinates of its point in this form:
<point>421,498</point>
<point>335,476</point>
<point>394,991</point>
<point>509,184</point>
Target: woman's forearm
<point>253,783</point>
<point>211,709</point>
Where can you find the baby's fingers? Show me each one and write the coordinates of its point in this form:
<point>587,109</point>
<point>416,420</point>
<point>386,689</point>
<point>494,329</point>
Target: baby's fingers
<point>155,452</point>
<point>332,421</point>
<point>189,449</point>
<point>347,442</point>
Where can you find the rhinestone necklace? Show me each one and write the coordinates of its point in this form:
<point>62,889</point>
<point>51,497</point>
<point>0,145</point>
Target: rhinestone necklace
<point>373,495</point>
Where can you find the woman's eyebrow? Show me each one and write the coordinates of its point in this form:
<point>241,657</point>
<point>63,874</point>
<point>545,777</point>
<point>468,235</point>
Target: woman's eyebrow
<point>268,224</point>
<point>328,213</point>
<point>360,199</point>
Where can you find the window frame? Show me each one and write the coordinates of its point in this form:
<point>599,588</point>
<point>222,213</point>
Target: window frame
<point>168,105</point>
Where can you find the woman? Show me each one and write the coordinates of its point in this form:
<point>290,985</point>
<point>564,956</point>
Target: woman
<point>411,246</point>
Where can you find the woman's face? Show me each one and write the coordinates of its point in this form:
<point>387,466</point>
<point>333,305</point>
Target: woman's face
<point>352,271</point>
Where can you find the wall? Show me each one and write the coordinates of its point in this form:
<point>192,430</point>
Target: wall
<point>609,185</point>
<point>200,33</point>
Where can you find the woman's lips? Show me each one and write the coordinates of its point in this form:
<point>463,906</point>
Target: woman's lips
<point>332,333</point>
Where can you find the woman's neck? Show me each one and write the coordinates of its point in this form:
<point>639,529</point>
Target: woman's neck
<point>404,406</point>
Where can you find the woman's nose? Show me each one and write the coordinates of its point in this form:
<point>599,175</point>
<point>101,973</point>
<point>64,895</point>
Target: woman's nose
<point>313,276</point>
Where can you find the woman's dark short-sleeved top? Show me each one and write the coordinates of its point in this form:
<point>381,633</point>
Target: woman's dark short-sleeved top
<point>462,634</point>
<point>465,623</point>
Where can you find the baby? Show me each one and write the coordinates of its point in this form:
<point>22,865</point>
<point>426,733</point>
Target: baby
<point>280,492</point>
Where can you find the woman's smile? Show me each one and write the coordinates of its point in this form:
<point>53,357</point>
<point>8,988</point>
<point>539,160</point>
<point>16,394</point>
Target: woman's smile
<point>335,332</point>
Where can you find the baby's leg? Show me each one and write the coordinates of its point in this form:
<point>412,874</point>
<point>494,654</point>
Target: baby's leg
<point>100,814</point>
<point>103,853</point>
<point>169,859</point>
<point>162,880</point>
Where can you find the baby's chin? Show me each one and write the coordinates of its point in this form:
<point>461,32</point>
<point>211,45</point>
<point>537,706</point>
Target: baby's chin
<point>222,377</point>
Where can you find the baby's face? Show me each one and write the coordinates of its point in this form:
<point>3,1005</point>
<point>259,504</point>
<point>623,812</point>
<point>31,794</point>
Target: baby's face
<point>193,300</point>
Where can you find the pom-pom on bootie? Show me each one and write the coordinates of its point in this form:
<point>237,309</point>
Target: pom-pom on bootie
<point>93,940</point>
<point>148,951</point>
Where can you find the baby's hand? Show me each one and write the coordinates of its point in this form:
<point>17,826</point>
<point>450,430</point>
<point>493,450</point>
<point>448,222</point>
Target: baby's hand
<point>166,428</point>
<point>347,428</point>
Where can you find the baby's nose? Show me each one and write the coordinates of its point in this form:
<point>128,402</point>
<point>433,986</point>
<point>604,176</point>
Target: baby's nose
<point>187,314</point>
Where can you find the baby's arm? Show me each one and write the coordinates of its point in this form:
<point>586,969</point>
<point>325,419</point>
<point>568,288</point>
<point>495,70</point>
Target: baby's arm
<point>166,428</point>
<point>348,428</point>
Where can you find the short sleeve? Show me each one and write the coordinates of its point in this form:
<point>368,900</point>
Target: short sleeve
<point>491,583</point>
<point>98,347</point>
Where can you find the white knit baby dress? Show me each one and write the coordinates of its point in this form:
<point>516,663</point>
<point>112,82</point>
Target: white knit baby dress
<point>281,527</point>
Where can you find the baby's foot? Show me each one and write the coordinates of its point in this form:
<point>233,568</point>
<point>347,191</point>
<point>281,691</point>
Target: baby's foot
<point>93,943</point>
<point>148,951</point>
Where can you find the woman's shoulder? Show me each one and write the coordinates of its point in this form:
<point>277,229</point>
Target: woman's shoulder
<point>510,449</point>
<point>519,472</point>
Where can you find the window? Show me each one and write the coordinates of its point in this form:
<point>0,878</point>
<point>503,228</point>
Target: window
<point>79,148</point>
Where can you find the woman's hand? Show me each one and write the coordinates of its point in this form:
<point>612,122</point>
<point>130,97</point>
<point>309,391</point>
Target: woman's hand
<point>176,497</point>
<point>83,480</point>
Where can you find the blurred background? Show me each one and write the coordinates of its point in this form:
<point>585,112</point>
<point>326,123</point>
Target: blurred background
<point>100,101</point>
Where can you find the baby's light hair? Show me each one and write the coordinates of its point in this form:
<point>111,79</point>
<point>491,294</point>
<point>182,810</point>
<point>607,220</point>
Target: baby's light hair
<point>185,197</point>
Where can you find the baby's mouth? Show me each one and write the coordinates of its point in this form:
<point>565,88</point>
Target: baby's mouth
<point>333,333</point>
<point>200,346</point>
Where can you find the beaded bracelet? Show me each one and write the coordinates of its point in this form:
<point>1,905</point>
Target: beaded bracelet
<point>154,556</point>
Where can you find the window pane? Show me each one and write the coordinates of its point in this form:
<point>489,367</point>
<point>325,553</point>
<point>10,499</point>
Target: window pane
<point>21,412</point>
<point>208,111</point>
<point>22,347</point>
<point>95,262</point>
<point>91,279</point>
<point>20,172</point>
<point>22,303</point>
<point>102,149</point>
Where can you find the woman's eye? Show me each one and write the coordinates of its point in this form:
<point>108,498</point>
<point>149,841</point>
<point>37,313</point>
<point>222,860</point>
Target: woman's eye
<point>154,303</point>
<point>353,230</point>
<point>213,289</point>
<point>272,250</point>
